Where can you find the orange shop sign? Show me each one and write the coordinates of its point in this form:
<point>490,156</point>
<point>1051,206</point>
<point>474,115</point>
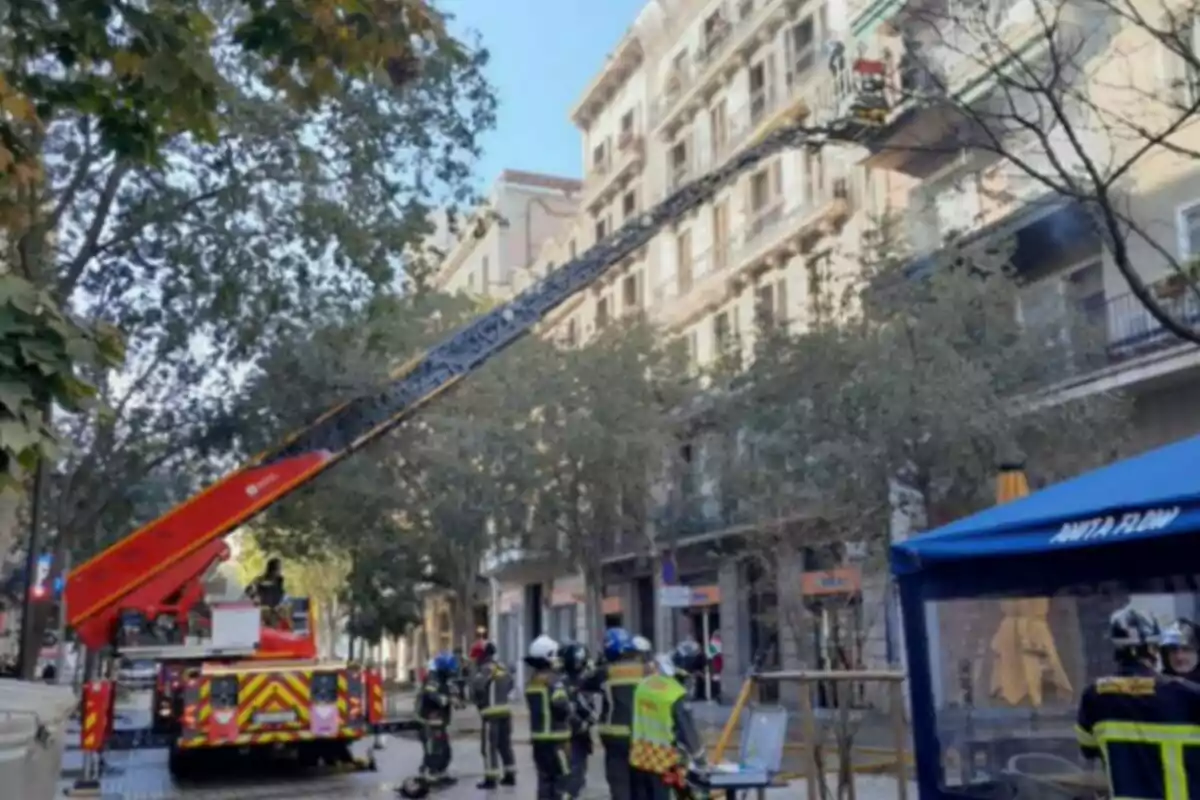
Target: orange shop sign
<point>844,580</point>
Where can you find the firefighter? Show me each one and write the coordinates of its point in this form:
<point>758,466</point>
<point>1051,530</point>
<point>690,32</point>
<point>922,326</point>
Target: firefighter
<point>549,720</point>
<point>268,592</point>
<point>645,649</point>
<point>665,742</point>
<point>434,705</point>
<point>1146,726</point>
<point>491,685</point>
<point>1178,646</point>
<point>577,672</point>
<point>616,682</point>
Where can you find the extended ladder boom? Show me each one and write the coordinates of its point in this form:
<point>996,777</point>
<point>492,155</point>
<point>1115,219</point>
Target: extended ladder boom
<point>96,588</point>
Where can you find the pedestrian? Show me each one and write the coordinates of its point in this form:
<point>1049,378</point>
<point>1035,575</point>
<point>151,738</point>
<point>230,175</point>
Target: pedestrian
<point>665,742</point>
<point>549,720</point>
<point>491,686</point>
<point>577,670</point>
<point>616,681</point>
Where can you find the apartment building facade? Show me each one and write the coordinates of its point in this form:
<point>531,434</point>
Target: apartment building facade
<point>982,194</point>
<point>495,247</point>
<point>690,86</point>
<point>489,255</point>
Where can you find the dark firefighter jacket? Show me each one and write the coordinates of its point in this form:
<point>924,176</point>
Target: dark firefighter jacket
<point>268,590</point>
<point>549,708</point>
<point>1146,727</point>
<point>616,684</point>
<point>434,702</point>
<point>491,685</point>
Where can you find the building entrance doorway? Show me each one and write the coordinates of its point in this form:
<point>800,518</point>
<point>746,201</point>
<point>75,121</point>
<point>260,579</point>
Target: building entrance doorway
<point>704,625</point>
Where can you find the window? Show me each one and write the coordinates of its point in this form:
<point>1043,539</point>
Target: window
<point>760,88</point>
<point>770,305</point>
<point>629,204</point>
<point>626,129</point>
<point>818,268</point>
<point>630,296</point>
<point>1189,233</point>
<point>718,121</point>
<point>601,228</point>
<point>760,190</point>
<point>766,188</point>
<point>679,161</point>
<point>598,159</point>
<point>802,45</point>
<point>1183,77</point>
<point>483,275</point>
<point>814,176</point>
<point>715,30</point>
<point>602,316</point>
<point>572,335</point>
<point>571,248</point>
<point>725,330</point>
<point>683,261</point>
<point>721,235</point>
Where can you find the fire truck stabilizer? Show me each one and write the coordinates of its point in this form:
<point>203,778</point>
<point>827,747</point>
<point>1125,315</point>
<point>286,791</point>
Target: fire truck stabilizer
<point>141,572</point>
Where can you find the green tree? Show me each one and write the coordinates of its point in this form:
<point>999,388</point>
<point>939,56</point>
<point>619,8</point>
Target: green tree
<point>364,510</point>
<point>927,382</point>
<point>277,161</point>
<point>609,435</point>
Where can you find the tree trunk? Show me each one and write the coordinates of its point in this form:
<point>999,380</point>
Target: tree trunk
<point>593,605</point>
<point>11,503</point>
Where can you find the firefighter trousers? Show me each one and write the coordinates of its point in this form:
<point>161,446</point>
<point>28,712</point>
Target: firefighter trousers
<point>649,786</point>
<point>616,767</point>
<point>581,748</point>
<point>495,742</point>
<point>435,740</point>
<point>553,766</point>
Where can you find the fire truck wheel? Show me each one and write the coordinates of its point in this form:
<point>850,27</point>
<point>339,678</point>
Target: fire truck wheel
<point>181,763</point>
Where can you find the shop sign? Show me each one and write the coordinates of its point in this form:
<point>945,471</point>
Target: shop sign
<point>844,580</point>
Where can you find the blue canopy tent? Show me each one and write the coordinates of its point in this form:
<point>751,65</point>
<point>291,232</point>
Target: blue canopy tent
<point>1136,521</point>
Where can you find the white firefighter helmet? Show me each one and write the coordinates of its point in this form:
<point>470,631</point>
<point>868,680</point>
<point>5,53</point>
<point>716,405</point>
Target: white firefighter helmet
<point>642,644</point>
<point>543,648</point>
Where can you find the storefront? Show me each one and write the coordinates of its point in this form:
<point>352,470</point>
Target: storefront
<point>613,609</point>
<point>566,602</point>
<point>508,626</point>
<point>837,631</point>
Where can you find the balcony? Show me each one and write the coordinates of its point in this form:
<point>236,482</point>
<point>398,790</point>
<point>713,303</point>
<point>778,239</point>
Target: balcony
<point>910,95</point>
<point>772,235</point>
<point>1133,332</point>
<point>814,94</point>
<point>691,81</point>
<point>610,176</point>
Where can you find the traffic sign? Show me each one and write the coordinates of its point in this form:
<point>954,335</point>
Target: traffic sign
<point>675,596</point>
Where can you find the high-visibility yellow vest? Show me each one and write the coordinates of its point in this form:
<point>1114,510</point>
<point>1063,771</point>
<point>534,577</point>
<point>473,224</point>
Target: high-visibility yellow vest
<point>652,745</point>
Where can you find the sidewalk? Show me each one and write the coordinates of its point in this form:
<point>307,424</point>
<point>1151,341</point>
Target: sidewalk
<point>873,738</point>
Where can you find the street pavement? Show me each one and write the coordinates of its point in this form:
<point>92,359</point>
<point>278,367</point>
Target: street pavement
<point>142,775</point>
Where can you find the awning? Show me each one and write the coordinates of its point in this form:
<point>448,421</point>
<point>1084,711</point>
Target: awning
<point>1129,504</point>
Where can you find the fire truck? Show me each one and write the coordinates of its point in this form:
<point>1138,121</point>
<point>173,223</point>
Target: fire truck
<point>268,689</point>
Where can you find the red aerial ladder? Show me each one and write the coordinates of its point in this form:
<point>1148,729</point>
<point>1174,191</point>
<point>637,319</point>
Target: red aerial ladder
<point>145,573</point>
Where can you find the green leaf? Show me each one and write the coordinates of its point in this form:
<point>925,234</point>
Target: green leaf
<point>14,395</point>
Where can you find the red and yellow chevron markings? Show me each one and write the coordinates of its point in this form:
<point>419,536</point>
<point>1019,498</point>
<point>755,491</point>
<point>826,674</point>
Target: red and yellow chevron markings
<point>272,697</point>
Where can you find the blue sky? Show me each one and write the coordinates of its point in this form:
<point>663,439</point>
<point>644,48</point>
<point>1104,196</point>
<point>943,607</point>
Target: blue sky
<point>544,52</point>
